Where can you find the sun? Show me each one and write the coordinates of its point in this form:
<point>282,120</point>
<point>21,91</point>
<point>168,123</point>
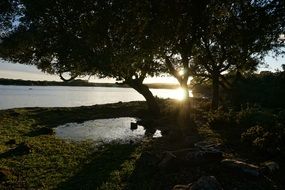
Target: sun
<point>180,94</point>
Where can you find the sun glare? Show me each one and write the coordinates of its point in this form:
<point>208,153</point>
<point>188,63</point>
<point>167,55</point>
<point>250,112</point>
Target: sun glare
<point>181,72</point>
<point>180,94</point>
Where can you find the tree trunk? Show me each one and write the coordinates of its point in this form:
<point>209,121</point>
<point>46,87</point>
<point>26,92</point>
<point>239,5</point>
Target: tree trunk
<point>215,88</point>
<point>184,115</point>
<point>185,91</point>
<point>152,104</point>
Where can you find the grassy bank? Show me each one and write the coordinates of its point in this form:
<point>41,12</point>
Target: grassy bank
<point>44,161</point>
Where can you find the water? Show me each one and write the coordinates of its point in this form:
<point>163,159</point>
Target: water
<point>104,131</point>
<point>65,96</point>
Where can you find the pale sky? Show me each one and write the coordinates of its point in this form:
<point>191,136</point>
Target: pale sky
<point>27,72</point>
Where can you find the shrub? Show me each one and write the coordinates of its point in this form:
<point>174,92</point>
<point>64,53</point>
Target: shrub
<point>265,139</point>
<point>219,119</point>
<point>252,133</point>
<point>252,116</point>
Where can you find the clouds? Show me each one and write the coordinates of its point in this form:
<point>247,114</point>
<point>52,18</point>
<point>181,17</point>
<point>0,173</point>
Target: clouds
<point>25,72</point>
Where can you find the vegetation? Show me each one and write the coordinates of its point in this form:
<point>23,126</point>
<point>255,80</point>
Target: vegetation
<point>132,40</point>
<point>85,165</point>
<point>235,131</point>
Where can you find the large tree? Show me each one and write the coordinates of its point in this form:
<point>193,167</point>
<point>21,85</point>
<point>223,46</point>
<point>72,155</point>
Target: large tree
<point>105,38</point>
<point>175,29</point>
<point>237,36</point>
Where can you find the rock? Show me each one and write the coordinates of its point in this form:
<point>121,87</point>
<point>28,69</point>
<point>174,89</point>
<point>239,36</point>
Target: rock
<point>10,142</point>
<point>20,150</point>
<point>205,155</point>
<point>181,187</point>
<point>206,183</point>
<point>144,122</point>
<point>46,131</point>
<point>203,183</point>
<point>242,167</point>
<point>269,167</point>
<point>148,159</point>
<point>167,159</point>
<point>205,145</point>
<point>4,173</point>
<point>134,126</point>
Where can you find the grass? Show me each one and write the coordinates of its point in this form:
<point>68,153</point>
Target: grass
<point>53,163</point>
<point>60,164</point>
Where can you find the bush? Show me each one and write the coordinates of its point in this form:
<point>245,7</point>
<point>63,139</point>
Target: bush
<point>252,133</point>
<point>252,116</point>
<point>219,119</point>
<point>265,139</point>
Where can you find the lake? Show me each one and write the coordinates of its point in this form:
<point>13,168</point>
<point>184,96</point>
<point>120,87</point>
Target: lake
<point>67,96</point>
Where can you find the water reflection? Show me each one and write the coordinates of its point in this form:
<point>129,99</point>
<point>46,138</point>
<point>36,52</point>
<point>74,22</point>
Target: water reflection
<point>63,96</point>
<point>104,130</point>
<point>178,93</point>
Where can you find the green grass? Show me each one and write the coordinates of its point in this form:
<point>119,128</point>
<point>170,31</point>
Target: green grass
<point>54,163</point>
<point>60,164</point>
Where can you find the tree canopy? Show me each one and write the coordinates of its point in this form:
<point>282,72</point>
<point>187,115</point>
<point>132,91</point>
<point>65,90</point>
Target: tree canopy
<point>130,40</point>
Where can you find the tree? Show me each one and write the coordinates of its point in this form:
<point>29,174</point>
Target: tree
<point>175,29</point>
<point>236,37</point>
<point>104,38</point>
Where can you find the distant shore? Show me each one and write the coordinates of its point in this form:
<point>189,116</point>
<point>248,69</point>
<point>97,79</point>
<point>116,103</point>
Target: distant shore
<point>78,82</point>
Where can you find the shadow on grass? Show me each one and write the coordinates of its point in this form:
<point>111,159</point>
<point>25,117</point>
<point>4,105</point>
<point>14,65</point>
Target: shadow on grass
<point>99,170</point>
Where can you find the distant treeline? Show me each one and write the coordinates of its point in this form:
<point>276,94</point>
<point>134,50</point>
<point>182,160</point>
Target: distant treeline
<point>77,82</point>
<point>266,89</point>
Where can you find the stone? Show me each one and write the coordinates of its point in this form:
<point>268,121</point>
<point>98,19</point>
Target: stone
<point>203,183</point>
<point>21,149</point>
<point>134,126</point>
<point>204,155</point>
<point>181,187</point>
<point>205,145</point>
<point>4,173</point>
<point>148,159</point>
<point>167,159</point>
<point>269,167</point>
<point>46,131</point>
<point>206,183</point>
<point>242,167</point>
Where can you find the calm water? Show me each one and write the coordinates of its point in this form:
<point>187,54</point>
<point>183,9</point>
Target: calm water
<point>64,96</point>
<point>104,130</point>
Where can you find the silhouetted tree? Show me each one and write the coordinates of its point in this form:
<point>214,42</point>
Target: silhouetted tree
<point>104,38</point>
<point>237,36</point>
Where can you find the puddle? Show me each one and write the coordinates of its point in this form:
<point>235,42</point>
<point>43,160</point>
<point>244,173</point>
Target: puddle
<point>104,130</point>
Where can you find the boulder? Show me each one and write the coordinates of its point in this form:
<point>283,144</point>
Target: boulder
<point>167,159</point>
<point>203,183</point>
<point>134,126</point>
<point>181,187</point>
<point>46,131</point>
<point>269,167</point>
<point>148,159</point>
<point>205,145</point>
<point>209,155</point>
<point>206,183</point>
<point>4,173</point>
<point>241,167</point>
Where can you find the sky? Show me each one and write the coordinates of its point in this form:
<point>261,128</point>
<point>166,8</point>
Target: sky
<point>27,72</point>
